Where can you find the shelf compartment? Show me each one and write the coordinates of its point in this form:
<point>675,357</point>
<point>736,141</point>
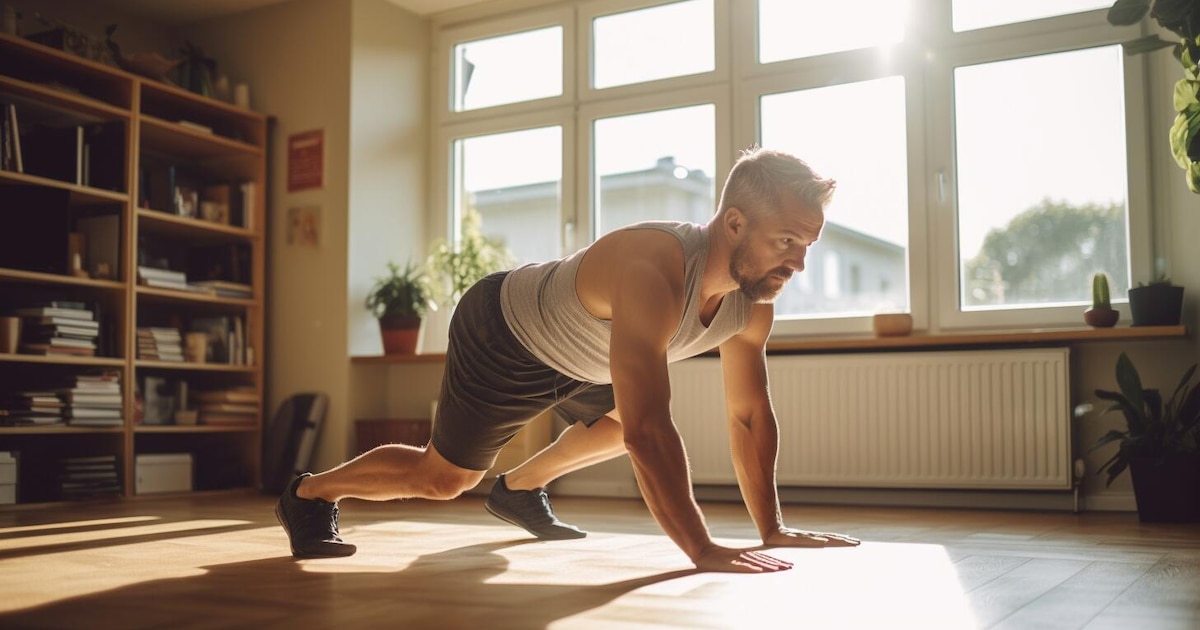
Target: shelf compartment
<point>169,296</point>
<point>62,360</point>
<point>194,367</point>
<point>168,102</point>
<point>164,136</point>
<point>162,223</point>
<point>24,60</point>
<point>37,277</point>
<point>199,428</point>
<point>80,195</point>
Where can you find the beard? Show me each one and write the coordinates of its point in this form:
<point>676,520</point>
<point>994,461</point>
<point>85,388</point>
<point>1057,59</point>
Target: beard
<point>761,288</point>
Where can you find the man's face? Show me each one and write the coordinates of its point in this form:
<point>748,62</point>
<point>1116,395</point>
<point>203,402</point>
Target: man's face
<point>772,248</point>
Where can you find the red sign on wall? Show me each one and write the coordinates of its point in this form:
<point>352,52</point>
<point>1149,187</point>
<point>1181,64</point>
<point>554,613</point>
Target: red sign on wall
<point>306,160</point>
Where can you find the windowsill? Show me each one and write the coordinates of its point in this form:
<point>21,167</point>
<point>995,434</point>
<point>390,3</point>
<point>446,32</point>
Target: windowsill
<point>909,342</point>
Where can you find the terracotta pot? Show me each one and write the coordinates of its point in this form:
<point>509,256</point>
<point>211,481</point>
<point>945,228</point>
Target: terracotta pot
<point>400,334</point>
<point>1101,317</point>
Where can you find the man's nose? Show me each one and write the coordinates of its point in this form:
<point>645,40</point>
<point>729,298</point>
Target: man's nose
<point>796,260</point>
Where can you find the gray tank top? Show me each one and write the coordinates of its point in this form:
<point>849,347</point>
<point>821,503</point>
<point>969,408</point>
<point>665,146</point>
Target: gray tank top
<point>543,311</point>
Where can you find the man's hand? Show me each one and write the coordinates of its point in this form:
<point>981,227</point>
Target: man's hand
<point>728,560</point>
<point>788,537</point>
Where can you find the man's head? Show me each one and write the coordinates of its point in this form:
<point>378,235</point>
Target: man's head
<point>773,207</point>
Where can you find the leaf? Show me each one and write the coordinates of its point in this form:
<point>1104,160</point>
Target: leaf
<point>1171,11</point>
<point>1126,12</point>
<point>1187,376</point>
<point>1185,94</point>
<point>1193,177</point>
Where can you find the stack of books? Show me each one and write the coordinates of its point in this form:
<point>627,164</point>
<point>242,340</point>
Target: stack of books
<point>163,278</point>
<point>86,477</point>
<point>59,328</point>
<point>30,408</point>
<point>94,400</point>
<point>222,288</point>
<point>231,406</point>
<point>159,344</point>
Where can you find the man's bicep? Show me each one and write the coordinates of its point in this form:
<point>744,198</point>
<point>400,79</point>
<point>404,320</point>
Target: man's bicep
<point>646,307</point>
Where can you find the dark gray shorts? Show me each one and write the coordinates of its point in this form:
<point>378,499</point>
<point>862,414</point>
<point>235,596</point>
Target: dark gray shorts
<point>493,386</point>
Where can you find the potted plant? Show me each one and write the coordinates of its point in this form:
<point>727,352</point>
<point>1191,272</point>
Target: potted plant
<point>1159,445</point>
<point>1181,17</point>
<point>454,268</point>
<point>399,301</point>
<point>1159,303</point>
<point>1102,314</point>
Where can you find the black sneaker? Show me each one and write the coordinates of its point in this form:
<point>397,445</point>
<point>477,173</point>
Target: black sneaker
<point>530,510</point>
<point>311,525</point>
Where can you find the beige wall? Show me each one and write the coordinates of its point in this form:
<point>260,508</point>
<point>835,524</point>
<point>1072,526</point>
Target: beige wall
<point>357,70</point>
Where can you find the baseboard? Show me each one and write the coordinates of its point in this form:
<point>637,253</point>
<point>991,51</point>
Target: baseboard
<point>1110,502</point>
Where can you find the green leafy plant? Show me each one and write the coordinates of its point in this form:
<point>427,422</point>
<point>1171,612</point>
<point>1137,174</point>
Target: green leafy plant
<point>1181,17</point>
<point>1153,428</point>
<point>1162,280</point>
<point>454,268</point>
<point>1100,296</point>
<point>401,293</point>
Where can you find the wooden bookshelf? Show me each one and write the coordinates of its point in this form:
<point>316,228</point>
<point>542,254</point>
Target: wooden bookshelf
<point>156,134</point>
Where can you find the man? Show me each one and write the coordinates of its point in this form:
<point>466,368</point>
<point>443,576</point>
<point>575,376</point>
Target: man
<point>590,336</point>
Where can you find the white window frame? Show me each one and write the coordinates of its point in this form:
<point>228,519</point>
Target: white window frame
<point>442,221</point>
<point>443,63</point>
<point>589,11</point>
<point>646,103</point>
<point>790,76</point>
<point>941,161</point>
<point>926,59</point>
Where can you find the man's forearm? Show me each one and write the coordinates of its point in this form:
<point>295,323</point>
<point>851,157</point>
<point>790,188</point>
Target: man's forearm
<point>754,456</point>
<point>660,463</point>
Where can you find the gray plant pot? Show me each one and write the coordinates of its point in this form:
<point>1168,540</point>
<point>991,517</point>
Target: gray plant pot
<point>1156,305</point>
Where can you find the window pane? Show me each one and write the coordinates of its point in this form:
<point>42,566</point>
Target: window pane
<point>1041,178</point>
<point>518,200</point>
<point>973,14</point>
<point>508,69</point>
<point>791,29</point>
<point>672,40</point>
<point>655,166</point>
<point>854,133</point>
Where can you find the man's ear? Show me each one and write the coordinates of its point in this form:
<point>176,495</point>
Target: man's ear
<point>735,221</point>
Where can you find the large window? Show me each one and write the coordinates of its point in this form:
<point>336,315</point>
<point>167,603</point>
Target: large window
<point>981,150</point>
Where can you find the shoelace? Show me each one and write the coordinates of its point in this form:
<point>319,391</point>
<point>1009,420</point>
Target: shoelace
<point>319,522</point>
<point>536,508</point>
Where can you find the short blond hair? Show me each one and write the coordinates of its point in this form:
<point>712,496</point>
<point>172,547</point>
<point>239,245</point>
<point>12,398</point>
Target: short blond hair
<point>761,178</point>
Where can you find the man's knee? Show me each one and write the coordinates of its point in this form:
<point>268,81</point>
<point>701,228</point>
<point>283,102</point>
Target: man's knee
<point>445,487</point>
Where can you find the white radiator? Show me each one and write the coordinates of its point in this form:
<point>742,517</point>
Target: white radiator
<point>990,419</point>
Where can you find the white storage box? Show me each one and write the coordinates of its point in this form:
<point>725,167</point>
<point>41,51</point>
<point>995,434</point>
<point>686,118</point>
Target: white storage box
<point>162,472</point>
<point>8,478</point>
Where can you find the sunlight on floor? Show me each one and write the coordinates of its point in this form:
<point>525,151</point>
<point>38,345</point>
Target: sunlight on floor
<point>75,538</point>
<point>877,585</point>
<point>74,524</point>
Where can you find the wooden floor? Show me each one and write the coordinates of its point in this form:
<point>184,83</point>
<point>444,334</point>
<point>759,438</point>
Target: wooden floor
<point>221,561</point>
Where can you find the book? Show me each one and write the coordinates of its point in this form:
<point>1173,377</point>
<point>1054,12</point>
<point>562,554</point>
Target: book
<point>58,312</point>
<point>14,131</point>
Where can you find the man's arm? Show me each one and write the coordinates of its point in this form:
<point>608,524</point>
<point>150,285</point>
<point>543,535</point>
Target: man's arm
<point>646,306</point>
<point>754,433</point>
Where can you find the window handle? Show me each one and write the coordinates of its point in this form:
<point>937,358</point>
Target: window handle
<point>941,186</point>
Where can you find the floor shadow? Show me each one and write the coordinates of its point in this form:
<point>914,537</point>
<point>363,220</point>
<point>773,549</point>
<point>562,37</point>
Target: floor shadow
<point>447,589</point>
